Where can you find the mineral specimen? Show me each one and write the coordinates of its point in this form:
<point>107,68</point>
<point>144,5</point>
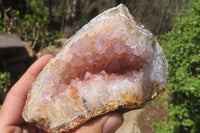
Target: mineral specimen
<point>112,62</point>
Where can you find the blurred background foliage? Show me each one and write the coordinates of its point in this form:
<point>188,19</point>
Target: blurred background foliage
<point>182,48</point>
<point>41,22</point>
<point>4,85</point>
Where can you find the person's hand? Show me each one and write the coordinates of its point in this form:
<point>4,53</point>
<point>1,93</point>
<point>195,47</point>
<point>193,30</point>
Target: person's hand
<point>11,120</point>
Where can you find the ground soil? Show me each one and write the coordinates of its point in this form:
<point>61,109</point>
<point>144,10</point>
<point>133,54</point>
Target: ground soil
<point>141,120</point>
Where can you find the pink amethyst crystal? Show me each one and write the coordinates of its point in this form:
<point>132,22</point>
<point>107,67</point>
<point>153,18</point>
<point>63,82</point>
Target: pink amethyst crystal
<point>110,63</point>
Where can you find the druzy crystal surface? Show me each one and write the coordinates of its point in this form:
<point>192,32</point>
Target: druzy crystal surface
<point>110,63</point>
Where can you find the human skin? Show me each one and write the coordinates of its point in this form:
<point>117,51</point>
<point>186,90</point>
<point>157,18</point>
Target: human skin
<point>11,120</point>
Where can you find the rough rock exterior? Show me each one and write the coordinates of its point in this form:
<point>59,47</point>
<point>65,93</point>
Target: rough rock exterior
<point>111,63</point>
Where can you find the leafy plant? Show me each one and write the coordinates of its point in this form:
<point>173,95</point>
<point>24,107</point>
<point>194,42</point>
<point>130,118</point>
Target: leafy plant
<point>182,49</point>
<point>33,26</point>
<point>36,24</point>
<point>2,24</point>
<point>4,85</point>
<point>82,21</point>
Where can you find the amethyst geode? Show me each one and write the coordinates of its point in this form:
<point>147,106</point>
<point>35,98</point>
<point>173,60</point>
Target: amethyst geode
<point>110,63</point>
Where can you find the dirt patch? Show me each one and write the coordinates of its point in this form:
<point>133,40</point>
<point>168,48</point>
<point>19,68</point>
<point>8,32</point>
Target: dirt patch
<point>141,120</point>
<point>154,112</point>
<point>130,124</point>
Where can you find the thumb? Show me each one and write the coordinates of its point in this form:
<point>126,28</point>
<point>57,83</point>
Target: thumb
<point>108,123</point>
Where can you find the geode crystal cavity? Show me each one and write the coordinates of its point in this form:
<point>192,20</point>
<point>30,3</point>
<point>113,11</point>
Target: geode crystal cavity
<point>110,63</point>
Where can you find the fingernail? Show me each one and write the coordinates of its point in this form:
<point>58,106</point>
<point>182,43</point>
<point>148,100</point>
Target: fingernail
<point>113,122</point>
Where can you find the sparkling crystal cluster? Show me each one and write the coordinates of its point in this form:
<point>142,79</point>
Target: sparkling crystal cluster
<point>96,53</point>
<point>110,63</point>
